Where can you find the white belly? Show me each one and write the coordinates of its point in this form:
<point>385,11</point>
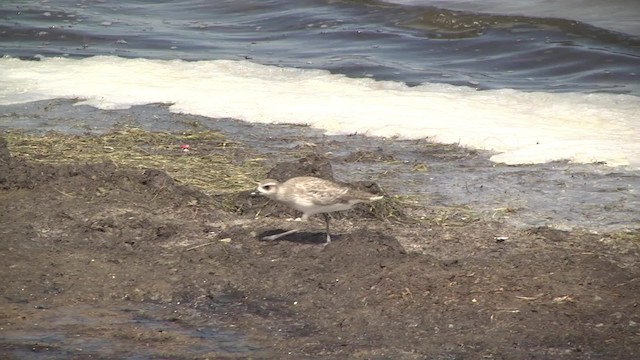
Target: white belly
<point>309,209</point>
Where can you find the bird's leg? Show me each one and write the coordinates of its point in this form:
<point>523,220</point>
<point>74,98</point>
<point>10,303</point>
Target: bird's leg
<point>304,217</point>
<point>326,219</point>
<point>278,236</point>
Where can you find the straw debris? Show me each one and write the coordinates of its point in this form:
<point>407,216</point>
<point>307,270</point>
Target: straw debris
<point>204,159</point>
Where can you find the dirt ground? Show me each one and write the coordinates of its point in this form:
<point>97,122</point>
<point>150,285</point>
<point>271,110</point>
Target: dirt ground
<point>104,262</point>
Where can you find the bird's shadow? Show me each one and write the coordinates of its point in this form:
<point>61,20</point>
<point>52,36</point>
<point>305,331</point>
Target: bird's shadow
<point>300,237</point>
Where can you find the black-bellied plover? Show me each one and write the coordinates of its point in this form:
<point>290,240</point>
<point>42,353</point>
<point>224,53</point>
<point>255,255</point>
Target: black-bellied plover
<point>311,196</point>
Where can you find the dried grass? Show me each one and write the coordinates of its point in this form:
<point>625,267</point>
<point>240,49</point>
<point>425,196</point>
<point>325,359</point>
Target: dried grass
<point>209,163</point>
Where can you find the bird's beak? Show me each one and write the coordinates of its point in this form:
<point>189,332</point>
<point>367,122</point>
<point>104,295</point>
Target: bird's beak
<point>256,192</point>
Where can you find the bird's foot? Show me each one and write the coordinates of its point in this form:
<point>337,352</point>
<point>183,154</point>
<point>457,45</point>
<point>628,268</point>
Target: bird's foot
<point>324,246</point>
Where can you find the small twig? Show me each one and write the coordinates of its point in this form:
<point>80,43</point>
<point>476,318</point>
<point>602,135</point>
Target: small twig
<point>143,150</point>
<point>260,210</point>
<point>529,298</point>
<point>63,193</point>
<point>360,157</point>
<point>158,192</point>
<point>508,310</point>
<point>201,245</point>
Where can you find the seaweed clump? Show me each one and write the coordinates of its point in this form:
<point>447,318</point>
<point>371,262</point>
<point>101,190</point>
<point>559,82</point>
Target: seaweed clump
<point>204,159</point>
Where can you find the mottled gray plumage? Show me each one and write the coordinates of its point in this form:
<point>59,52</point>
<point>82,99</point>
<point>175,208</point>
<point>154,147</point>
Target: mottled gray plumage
<point>311,196</point>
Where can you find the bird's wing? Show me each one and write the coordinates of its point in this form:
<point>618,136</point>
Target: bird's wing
<point>322,197</point>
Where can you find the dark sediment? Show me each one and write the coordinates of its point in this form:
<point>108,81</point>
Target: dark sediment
<point>125,247</point>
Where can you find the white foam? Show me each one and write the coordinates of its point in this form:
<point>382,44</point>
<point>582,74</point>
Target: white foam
<point>521,127</point>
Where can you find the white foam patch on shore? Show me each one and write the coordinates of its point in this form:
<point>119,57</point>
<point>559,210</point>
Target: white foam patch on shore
<point>520,127</point>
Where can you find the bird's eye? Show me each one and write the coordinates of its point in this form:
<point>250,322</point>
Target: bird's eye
<point>267,187</point>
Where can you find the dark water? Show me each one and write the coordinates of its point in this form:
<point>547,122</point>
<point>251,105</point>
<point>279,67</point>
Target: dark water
<point>407,43</point>
<point>137,331</point>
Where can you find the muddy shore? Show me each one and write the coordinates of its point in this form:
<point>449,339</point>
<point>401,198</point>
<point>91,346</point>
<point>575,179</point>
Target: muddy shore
<point>106,260</point>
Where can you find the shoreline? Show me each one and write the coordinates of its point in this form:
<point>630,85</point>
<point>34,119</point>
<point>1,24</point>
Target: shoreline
<point>565,196</point>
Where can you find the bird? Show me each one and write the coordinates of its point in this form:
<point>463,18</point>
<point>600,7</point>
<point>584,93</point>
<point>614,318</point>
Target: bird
<point>312,195</point>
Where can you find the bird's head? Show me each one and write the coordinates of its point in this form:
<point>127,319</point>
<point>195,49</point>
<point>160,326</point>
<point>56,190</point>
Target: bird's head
<point>268,188</point>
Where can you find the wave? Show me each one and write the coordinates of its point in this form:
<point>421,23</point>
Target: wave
<point>583,18</point>
<point>520,127</point>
